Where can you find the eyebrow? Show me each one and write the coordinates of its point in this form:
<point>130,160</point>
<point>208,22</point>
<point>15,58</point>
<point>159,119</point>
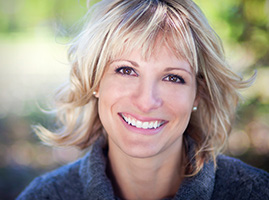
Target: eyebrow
<point>166,69</point>
<point>130,61</point>
<point>176,68</point>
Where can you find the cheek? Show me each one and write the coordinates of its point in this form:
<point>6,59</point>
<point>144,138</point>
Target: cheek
<point>116,88</point>
<point>112,92</point>
<point>181,97</point>
<point>108,88</point>
<point>179,106</point>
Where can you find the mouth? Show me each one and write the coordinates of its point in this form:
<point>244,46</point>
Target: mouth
<point>150,124</point>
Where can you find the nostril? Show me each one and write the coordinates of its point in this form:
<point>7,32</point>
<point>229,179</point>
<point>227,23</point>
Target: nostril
<point>147,97</point>
<point>147,103</point>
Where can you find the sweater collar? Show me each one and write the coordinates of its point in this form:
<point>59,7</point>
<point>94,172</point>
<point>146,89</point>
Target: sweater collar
<point>98,186</point>
<point>93,173</point>
<point>199,186</point>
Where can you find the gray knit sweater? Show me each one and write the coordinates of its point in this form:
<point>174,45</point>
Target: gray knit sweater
<point>87,179</point>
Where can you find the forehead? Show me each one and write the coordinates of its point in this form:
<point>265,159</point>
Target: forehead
<point>161,58</point>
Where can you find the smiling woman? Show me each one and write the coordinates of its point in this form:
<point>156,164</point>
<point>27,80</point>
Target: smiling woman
<point>152,95</point>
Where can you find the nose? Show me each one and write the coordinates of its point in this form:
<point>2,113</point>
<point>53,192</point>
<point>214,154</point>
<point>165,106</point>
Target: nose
<point>147,97</point>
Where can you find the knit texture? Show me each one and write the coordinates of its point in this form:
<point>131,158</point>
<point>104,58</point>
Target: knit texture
<point>87,179</point>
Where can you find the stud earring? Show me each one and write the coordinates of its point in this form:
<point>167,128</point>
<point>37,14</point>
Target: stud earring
<point>194,108</point>
<point>94,93</point>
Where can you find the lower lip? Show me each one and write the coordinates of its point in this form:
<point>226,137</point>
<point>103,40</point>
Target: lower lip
<point>141,130</point>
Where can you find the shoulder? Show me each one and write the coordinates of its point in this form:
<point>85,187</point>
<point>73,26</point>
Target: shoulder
<point>55,184</point>
<point>237,180</point>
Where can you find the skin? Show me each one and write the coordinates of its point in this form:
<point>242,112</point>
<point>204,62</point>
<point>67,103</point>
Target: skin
<point>146,163</point>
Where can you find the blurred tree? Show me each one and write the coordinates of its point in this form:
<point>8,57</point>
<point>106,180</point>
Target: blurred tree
<point>243,25</point>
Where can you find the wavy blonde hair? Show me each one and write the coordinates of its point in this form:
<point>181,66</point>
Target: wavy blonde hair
<point>114,26</point>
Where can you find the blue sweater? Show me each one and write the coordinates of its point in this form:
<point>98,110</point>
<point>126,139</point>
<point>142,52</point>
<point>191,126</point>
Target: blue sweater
<point>87,179</point>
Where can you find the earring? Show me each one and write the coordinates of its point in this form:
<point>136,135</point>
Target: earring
<point>194,108</point>
<point>94,93</point>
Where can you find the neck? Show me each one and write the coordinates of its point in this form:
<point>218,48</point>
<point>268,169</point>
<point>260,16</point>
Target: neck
<point>145,178</point>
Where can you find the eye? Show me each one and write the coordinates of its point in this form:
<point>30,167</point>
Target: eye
<point>126,71</point>
<point>174,79</point>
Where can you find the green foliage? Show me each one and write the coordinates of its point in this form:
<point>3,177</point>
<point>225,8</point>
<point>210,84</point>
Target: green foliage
<point>242,22</point>
<point>243,25</point>
<point>236,21</point>
<point>22,15</point>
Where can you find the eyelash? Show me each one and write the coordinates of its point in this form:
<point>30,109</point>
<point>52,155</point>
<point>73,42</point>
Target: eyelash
<point>119,70</point>
<point>176,78</point>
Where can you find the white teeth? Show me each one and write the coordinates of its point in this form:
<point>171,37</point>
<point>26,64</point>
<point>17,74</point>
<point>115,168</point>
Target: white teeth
<point>145,125</point>
<point>139,124</point>
<point>155,124</point>
<point>133,122</point>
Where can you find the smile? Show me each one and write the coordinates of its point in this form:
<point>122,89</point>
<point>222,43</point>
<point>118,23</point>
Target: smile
<point>142,125</point>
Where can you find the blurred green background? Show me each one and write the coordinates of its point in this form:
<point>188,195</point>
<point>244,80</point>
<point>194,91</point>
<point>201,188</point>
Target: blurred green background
<point>33,63</point>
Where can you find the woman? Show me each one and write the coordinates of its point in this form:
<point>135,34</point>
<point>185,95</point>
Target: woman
<point>151,94</point>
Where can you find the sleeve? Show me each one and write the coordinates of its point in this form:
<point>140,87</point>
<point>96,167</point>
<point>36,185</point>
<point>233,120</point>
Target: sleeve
<point>260,187</point>
<point>237,180</point>
<point>40,189</point>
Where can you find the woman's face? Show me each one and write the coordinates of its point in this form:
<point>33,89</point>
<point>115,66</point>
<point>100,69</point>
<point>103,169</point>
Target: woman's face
<point>145,105</point>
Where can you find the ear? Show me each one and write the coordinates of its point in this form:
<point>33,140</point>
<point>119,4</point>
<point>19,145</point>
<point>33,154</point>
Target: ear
<point>196,101</point>
<point>198,96</point>
<point>96,92</point>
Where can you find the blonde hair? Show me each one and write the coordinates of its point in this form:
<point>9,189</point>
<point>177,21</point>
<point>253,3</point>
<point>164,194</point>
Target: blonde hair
<point>115,26</point>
